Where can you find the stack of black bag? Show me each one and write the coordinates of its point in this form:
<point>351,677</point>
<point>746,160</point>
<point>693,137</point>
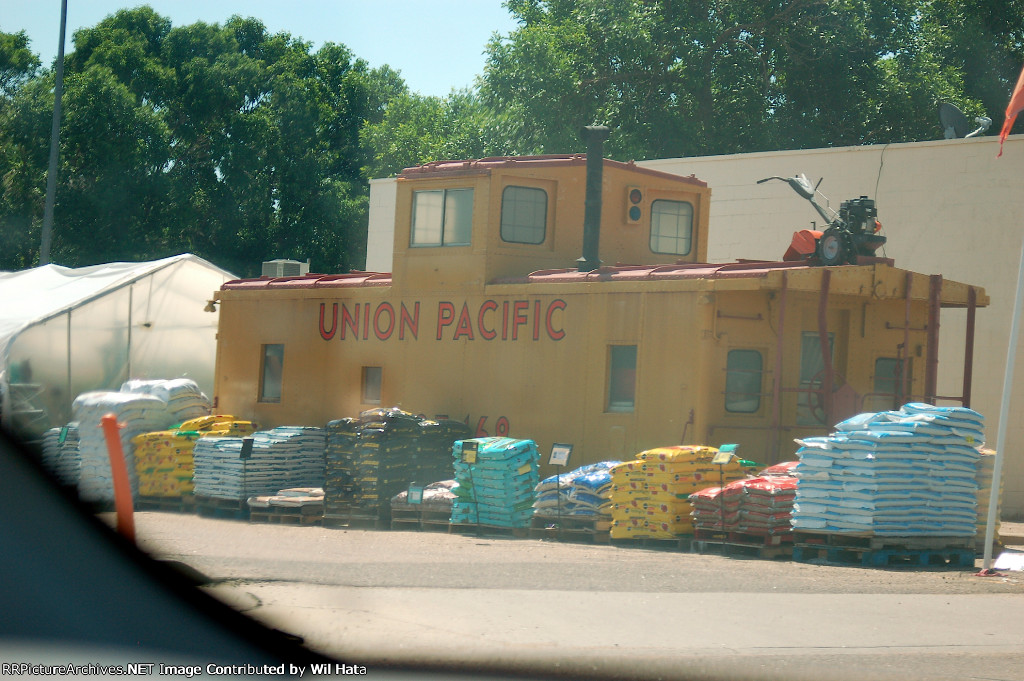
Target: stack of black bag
<point>371,458</point>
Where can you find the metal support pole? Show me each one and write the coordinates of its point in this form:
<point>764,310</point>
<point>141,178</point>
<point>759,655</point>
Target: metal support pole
<point>826,348</point>
<point>906,377</point>
<point>777,382</point>
<point>972,307</point>
<point>931,375</point>
<point>1004,417</point>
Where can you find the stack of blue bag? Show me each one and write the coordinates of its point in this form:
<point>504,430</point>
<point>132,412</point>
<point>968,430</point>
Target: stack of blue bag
<point>498,488</point>
<point>585,491</point>
<point>894,473</point>
<point>281,458</point>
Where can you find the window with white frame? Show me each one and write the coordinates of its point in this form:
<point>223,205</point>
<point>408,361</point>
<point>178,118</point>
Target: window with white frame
<point>442,217</point>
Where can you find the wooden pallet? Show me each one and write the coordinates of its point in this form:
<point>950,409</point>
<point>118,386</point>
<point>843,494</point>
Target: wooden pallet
<point>183,504</point>
<point>887,557</point>
<point>285,516</point>
<point>872,541</point>
<point>682,542</point>
<point>731,548</point>
<point>481,529</point>
<point>405,519</point>
<point>429,518</point>
<point>354,520</point>
<point>569,528</point>
<point>214,507</point>
<point>744,538</point>
<point>337,508</point>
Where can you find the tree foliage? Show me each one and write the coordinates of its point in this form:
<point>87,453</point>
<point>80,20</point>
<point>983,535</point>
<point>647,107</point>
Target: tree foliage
<point>698,77</point>
<point>242,145</point>
<point>222,140</point>
<point>416,129</point>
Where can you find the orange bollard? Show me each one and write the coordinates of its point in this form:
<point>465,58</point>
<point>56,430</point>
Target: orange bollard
<point>119,473</point>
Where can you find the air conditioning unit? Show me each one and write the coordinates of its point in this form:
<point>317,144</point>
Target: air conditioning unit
<point>285,268</point>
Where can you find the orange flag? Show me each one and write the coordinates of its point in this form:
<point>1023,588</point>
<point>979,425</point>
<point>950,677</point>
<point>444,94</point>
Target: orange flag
<point>1015,106</point>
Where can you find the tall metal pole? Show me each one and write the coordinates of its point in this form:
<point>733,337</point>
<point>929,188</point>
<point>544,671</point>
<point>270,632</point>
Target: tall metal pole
<point>51,173</point>
<point>1004,417</point>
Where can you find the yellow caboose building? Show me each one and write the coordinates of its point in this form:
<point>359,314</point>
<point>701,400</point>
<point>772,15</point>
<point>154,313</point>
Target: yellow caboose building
<point>492,316</point>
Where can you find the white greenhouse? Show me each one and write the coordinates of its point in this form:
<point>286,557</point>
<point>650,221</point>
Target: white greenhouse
<point>67,331</point>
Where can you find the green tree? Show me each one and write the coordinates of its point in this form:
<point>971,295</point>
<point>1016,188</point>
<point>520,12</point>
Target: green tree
<point>417,129</point>
<point>709,77</point>
<point>17,63</point>
<point>113,188</point>
<point>22,135</point>
<point>223,140</point>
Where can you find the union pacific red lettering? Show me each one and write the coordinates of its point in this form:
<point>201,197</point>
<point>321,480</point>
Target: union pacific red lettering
<point>324,333</point>
<point>485,333</point>
<point>366,321</point>
<point>411,322</point>
<point>504,320</point>
<point>465,325</point>
<point>553,334</point>
<point>349,321</point>
<point>384,307</point>
<point>445,316</point>
<point>518,318</point>
<point>536,320</point>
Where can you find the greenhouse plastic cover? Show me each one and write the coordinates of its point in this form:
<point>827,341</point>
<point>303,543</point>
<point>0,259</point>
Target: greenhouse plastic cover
<point>103,320</point>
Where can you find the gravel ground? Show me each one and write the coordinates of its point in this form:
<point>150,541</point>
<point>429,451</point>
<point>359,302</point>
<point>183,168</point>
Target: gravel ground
<point>229,550</point>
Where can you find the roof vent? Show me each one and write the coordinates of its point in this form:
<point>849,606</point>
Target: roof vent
<point>285,268</point>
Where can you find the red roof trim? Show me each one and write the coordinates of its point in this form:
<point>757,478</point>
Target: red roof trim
<point>484,166</point>
<point>736,270</point>
<point>348,280</point>
<point>742,270</point>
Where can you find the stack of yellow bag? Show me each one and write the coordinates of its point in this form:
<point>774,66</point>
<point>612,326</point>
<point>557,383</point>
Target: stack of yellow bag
<point>218,425</point>
<point>650,495</point>
<point>163,459</point>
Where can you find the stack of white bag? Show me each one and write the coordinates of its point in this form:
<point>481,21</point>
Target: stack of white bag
<point>283,457</point>
<point>138,413</point>
<point>141,406</point>
<point>183,397</point>
<point>895,473</point>
<point>60,454</point>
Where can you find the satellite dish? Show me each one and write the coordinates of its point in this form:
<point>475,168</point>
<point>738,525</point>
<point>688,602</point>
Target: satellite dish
<point>955,125</point>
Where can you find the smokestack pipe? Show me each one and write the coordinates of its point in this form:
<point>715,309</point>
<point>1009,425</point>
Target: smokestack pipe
<point>594,135</point>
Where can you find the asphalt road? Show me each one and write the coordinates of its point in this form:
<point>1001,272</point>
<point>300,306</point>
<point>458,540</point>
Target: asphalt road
<point>444,601</point>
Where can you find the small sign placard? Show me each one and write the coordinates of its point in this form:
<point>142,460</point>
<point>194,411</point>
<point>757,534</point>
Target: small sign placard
<point>724,454</point>
<point>469,451</point>
<point>415,494</point>
<point>560,453</point>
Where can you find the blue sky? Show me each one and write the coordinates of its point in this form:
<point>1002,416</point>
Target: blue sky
<point>437,45</point>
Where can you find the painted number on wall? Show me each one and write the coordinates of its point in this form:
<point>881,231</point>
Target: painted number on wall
<point>501,426</point>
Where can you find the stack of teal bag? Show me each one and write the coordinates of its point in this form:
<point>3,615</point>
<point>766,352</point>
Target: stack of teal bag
<point>498,488</point>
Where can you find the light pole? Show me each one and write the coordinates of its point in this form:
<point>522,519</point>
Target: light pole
<point>51,173</point>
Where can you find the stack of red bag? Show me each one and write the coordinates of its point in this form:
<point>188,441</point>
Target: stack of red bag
<point>761,505</point>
